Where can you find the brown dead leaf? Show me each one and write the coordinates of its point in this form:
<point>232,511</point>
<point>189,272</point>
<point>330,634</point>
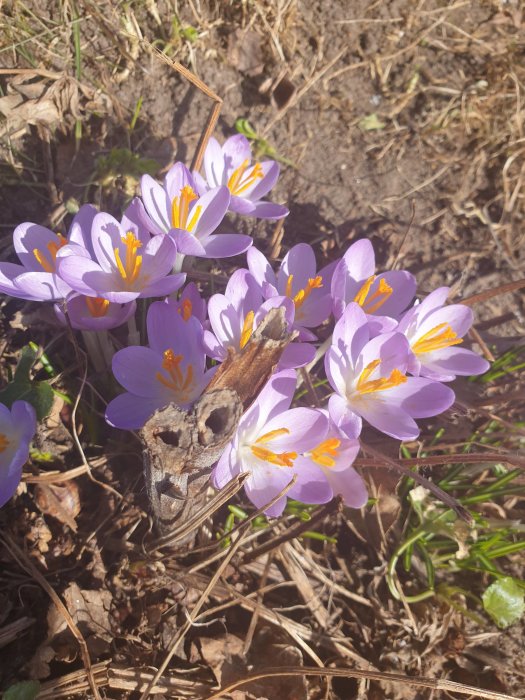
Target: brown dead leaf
<point>39,536</point>
<point>224,655</point>
<point>53,103</point>
<point>61,501</point>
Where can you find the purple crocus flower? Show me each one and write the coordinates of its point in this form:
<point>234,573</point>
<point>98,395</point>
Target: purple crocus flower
<point>189,303</point>
<point>334,457</point>
<point>230,166</point>
<point>126,262</point>
<point>177,209</point>
<point>385,295</point>
<point>94,313</point>
<point>17,428</point>
<point>297,280</point>
<point>36,278</point>
<point>267,443</point>
<point>369,378</point>
<point>171,370</point>
<point>434,332</point>
<point>235,314</point>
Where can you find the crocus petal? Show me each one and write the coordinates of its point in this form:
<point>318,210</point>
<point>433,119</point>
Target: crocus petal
<point>27,238</point>
<point>186,243</point>
<point>82,274</point>
<point>82,319</point>
<point>337,370</point>
<point>156,203</point>
<point>270,170</point>
<point>163,287</point>
<point>133,220</point>
<point>128,412</point>
<point>42,286</point>
<point>135,368</point>
<point>351,332</point>
<point>214,206</point>
<point>296,355</point>
<point>444,365</point>
<point>312,485</point>
<point>80,231</point>
<point>299,262</point>
<point>261,268</point>
<point>259,210</point>
<point>349,485</point>
<point>422,398</point>
<point>344,418</point>
<point>214,164</point>
<point>235,150</point>
<point>8,273</point>
<point>158,257</point>
<point>389,418</point>
<point>360,260</point>
<point>275,398</point>
<point>226,245</point>
<point>226,468</point>
<point>263,485</point>
<point>305,427</point>
<point>178,177</point>
<point>106,236</point>
<point>458,316</point>
<point>168,331</point>
<point>404,288</point>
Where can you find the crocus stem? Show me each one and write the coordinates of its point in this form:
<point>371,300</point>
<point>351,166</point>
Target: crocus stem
<point>99,348</point>
<point>177,266</point>
<point>133,333</point>
<point>321,350</point>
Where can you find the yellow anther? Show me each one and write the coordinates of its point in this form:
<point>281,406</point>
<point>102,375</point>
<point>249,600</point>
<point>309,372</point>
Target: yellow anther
<point>97,306</point>
<point>441,336</point>
<point>272,434</point>
<point>370,304</point>
<point>285,459</point>
<point>303,294</point>
<point>369,386</point>
<point>247,329</point>
<point>4,442</point>
<point>238,182</point>
<point>49,265</point>
<point>325,452</point>
<point>185,309</point>
<point>180,208</point>
<point>177,381</point>
<point>130,269</point>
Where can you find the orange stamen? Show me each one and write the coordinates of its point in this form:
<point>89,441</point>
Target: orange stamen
<point>130,270</point>
<point>303,294</point>
<point>285,459</point>
<point>368,386</point>
<point>325,452</point>
<point>441,336</point>
<point>177,381</point>
<point>185,309</point>
<point>53,247</point>
<point>238,182</point>
<point>4,442</point>
<point>247,329</point>
<point>180,208</point>
<point>382,293</point>
<point>272,434</point>
<point>97,306</point>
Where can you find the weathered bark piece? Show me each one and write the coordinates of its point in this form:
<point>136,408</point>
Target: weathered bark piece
<point>179,447</point>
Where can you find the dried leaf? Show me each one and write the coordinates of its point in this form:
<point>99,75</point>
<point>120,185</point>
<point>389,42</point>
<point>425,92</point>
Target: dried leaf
<point>61,501</point>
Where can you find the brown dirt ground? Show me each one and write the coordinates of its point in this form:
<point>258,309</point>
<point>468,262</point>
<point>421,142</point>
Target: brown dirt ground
<point>437,187</point>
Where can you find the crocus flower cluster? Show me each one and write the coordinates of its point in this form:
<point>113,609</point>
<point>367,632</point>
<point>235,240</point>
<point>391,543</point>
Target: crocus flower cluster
<point>389,357</point>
